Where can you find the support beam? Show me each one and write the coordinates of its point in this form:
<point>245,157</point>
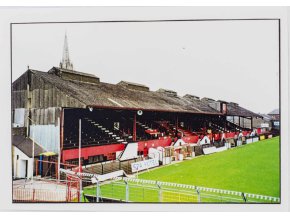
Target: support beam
<point>243,122</point>
<point>61,134</point>
<point>80,148</point>
<point>225,123</point>
<point>59,150</point>
<point>134,128</point>
<point>251,122</point>
<point>176,125</point>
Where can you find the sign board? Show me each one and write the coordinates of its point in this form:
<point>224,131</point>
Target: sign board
<point>264,125</point>
<point>209,150</point>
<point>228,145</point>
<point>248,141</point>
<point>276,123</point>
<point>224,148</point>
<point>255,139</point>
<point>239,142</point>
<point>143,165</point>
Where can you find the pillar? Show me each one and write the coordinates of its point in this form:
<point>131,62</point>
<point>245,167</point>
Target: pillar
<point>251,122</point>
<point>134,128</point>
<point>176,125</point>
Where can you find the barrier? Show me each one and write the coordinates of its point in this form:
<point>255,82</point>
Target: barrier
<point>228,145</point>
<point>249,141</point>
<point>143,165</point>
<point>209,150</point>
<point>255,139</point>
<point>224,148</point>
<point>43,195</point>
<point>140,190</point>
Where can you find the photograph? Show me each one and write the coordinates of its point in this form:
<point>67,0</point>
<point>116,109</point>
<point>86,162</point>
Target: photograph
<point>146,111</point>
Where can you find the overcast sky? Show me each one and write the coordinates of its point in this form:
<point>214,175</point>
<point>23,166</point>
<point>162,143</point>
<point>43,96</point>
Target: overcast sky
<point>235,61</point>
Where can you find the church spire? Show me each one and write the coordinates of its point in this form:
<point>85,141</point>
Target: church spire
<point>65,62</point>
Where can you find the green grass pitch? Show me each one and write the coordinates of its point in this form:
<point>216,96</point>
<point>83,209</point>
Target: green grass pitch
<point>252,168</point>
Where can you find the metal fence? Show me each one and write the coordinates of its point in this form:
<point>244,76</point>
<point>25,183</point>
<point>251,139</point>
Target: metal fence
<point>46,190</point>
<point>137,190</point>
<point>43,195</point>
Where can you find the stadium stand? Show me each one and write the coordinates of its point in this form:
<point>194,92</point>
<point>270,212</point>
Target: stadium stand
<point>114,115</point>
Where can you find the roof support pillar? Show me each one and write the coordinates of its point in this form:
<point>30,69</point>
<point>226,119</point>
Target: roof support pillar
<point>225,123</point>
<point>243,122</point>
<point>251,122</point>
<point>176,125</point>
<point>61,134</point>
<point>134,128</point>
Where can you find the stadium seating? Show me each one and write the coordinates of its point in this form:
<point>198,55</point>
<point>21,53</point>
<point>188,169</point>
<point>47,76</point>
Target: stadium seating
<point>93,133</point>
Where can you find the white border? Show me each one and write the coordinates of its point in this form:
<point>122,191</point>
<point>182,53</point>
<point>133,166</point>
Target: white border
<point>145,3</point>
<point>8,15</point>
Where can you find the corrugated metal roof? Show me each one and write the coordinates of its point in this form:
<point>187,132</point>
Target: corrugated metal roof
<point>105,95</point>
<point>233,109</point>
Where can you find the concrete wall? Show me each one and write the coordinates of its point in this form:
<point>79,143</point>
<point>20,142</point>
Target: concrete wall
<point>19,165</point>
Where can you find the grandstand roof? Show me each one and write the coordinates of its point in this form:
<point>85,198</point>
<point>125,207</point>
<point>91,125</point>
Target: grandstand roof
<point>266,117</point>
<point>233,109</point>
<point>105,95</point>
<point>90,92</point>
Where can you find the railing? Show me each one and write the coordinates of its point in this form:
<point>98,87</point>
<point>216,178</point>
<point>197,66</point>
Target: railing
<point>44,195</point>
<point>137,190</point>
<point>46,190</point>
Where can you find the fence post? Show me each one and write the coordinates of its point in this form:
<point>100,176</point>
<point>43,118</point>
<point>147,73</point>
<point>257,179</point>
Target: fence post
<point>198,195</point>
<point>66,188</point>
<point>127,191</point>
<point>80,188</point>
<point>97,192</point>
<point>159,192</point>
<point>244,197</point>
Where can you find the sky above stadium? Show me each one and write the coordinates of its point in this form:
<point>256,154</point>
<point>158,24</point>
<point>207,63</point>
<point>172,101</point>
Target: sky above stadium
<point>235,61</point>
